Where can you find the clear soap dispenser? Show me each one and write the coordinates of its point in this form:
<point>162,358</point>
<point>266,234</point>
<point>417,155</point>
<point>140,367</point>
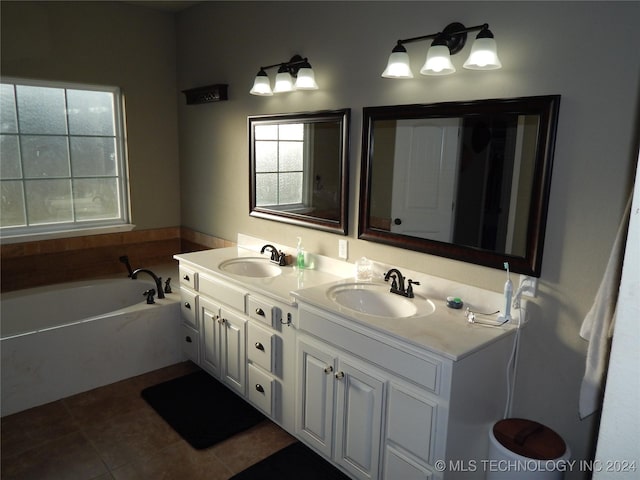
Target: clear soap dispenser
<point>300,254</point>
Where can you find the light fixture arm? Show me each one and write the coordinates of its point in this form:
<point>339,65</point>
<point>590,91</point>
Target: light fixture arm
<point>454,36</point>
<point>292,66</point>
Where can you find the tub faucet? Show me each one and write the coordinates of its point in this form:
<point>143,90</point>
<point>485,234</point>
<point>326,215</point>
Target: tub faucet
<point>124,259</point>
<point>156,279</point>
<point>397,284</point>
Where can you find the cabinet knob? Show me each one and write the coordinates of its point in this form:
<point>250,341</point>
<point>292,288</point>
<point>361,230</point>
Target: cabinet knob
<point>187,305</point>
<point>260,312</point>
<point>186,277</point>
<point>340,375</point>
<point>188,339</point>
<point>221,321</point>
<point>259,346</point>
<point>329,369</point>
<point>259,388</point>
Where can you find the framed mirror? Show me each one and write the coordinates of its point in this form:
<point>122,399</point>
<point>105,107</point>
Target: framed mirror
<point>462,180</point>
<point>299,168</point>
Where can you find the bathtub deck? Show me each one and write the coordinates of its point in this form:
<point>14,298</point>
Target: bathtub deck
<point>111,433</point>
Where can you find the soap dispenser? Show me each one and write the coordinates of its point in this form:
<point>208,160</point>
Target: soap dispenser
<point>300,254</point>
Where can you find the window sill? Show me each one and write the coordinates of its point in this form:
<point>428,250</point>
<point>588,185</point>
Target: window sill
<point>34,237</point>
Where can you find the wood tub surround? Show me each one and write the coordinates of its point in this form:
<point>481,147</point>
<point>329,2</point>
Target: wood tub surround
<point>45,262</point>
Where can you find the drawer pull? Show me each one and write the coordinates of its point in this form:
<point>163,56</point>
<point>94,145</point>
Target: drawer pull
<point>329,369</point>
<point>259,388</point>
<point>188,339</point>
<point>259,346</point>
<point>260,312</point>
<point>186,278</point>
<point>187,305</point>
<point>340,375</point>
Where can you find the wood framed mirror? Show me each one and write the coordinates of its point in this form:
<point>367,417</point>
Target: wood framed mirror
<point>463,180</point>
<point>299,168</point>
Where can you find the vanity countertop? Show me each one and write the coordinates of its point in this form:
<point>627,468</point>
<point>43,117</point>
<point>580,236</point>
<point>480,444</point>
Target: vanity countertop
<point>445,332</point>
<point>279,287</point>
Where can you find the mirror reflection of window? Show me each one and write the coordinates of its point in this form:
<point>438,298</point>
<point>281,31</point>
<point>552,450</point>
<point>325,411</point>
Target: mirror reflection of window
<point>280,161</point>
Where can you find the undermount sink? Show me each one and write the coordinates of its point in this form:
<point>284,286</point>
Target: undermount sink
<point>377,300</point>
<point>251,267</point>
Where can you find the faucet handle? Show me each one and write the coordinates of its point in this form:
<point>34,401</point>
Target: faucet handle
<point>167,285</point>
<point>410,288</point>
<point>149,294</point>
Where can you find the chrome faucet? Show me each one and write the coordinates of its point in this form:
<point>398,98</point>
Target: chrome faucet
<point>156,279</point>
<point>397,284</point>
<point>277,257</point>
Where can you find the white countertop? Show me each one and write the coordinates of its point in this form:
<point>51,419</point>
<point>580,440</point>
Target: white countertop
<point>445,332</point>
<point>279,287</point>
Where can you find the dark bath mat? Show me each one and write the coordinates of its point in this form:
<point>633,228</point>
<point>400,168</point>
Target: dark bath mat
<point>201,409</point>
<point>294,462</point>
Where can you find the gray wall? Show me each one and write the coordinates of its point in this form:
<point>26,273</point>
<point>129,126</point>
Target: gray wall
<point>109,43</point>
<point>584,51</point>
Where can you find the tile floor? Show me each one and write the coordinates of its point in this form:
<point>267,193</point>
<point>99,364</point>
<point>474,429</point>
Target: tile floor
<point>110,433</point>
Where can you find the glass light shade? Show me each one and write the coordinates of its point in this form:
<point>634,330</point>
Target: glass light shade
<point>284,83</point>
<point>438,61</point>
<point>483,56</point>
<point>398,66</point>
<point>306,79</point>
<point>261,86</point>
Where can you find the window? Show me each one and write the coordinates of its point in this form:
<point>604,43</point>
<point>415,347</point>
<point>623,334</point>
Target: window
<point>280,165</point>
<point>63,163</point>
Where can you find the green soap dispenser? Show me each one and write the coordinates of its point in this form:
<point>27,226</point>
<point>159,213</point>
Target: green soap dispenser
<point>300,254</point>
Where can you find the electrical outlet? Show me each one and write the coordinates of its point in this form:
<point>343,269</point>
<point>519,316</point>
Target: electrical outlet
<point>343,249</point>
<point>529,286</point>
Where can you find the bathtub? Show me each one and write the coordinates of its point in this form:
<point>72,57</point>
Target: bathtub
<point>65,339</point>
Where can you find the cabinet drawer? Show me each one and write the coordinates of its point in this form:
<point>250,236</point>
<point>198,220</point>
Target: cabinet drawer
<point>190,343</point>
<point>189,307</point>
<point>221,292</point>
<point>262,311</point>
<point>261,346</point>
<point>410,421</point>
<point>187,277</point>
<point>261,389</point>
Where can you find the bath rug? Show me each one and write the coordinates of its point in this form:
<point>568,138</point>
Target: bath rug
<point>294,462</point>
<point>201,409</point>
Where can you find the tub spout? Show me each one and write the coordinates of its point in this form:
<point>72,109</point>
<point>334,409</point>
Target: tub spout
<point>156,279</point>
<point>125,259</point>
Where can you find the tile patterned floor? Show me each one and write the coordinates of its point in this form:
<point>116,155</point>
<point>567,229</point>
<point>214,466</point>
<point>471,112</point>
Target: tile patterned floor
<point>110,433</point>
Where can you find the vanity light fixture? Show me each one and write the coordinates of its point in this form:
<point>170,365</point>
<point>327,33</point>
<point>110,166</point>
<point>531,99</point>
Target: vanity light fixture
<point>450,41</point>
<point>296,74</point>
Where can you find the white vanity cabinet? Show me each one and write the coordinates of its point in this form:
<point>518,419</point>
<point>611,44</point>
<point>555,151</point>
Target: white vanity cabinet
<point>242,338</point>
<point>190,328</point>
<point>395,409</point>
<point>339,407</point>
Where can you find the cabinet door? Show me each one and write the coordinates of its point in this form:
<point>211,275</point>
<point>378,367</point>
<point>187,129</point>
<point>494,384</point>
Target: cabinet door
<point>210,336</point>
<point>359,397</point>
<point>315,396</point>
<point>233,352</point>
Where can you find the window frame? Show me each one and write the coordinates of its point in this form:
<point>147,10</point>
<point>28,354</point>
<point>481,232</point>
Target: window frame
<point>13,234</point>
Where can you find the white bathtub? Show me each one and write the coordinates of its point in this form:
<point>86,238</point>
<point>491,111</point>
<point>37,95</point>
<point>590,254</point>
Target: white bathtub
<point>65,339</point>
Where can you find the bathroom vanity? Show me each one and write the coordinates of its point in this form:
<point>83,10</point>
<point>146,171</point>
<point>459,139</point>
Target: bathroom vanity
<point>382,394</point>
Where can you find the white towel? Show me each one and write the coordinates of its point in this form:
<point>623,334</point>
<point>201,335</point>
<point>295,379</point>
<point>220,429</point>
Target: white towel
<point>597,326</point>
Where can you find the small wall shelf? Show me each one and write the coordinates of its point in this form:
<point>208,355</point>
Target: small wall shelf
<point>208,94</point>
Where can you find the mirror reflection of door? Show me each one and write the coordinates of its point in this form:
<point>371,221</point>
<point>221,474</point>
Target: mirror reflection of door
<point>424,177</point>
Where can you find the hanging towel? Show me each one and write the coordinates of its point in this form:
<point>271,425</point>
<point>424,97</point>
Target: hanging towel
<point>597,326</point>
